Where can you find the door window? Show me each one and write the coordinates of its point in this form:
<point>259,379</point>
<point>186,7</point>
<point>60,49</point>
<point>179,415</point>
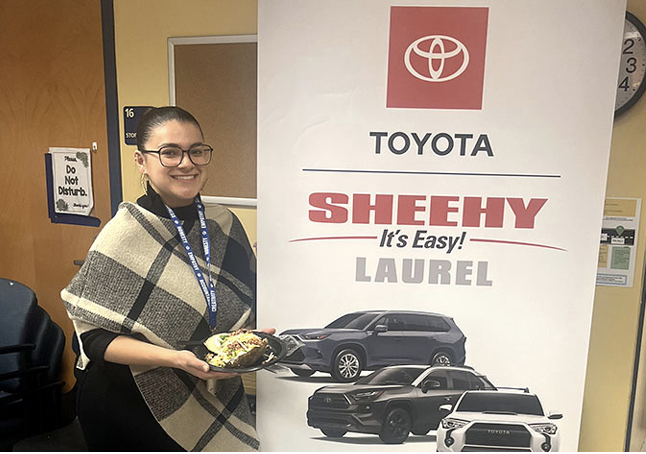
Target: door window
<point>439,376</point>
<point>394,322</point>
<point>461,379</point>
<point>414,322</point>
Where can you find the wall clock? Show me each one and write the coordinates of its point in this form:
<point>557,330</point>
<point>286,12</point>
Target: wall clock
<point>631,84</point>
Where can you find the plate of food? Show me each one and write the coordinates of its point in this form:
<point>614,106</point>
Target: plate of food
<point>240,351</point>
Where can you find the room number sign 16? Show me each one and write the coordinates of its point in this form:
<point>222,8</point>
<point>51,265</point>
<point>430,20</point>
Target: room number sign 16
<point>131,116</point>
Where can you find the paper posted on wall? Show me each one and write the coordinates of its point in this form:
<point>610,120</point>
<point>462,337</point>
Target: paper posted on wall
<point>618,246</point>
<point>72,180</point>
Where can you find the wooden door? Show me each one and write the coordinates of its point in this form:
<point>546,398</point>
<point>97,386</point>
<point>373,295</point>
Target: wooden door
<point>52,94</point>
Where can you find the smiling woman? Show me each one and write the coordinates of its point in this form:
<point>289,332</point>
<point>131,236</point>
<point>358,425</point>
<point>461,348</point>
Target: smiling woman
<point>169,133</point>
<point>162,272</point>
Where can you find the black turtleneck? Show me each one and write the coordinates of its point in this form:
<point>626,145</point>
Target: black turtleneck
<point>152,202</point>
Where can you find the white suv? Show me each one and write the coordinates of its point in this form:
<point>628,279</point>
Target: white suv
<point>498,421</point>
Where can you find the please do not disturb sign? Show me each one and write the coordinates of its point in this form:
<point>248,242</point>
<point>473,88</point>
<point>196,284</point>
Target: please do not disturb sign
<point>72,180</point>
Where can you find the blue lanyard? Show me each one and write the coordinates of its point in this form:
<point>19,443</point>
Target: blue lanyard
<point>207,290</point>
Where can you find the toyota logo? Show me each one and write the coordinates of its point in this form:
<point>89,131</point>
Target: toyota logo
<point>437,54</point>
<point>327,400</point>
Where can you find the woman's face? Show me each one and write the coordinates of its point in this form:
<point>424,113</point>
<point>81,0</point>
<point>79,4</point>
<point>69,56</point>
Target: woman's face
<point>177,186</point>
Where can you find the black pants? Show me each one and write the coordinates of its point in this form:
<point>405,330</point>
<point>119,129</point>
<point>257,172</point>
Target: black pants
<point>114,415</point>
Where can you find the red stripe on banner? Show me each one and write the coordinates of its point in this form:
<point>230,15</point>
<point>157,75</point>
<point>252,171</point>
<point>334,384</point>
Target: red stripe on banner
<point>481,240</point>
<point>335,238</point>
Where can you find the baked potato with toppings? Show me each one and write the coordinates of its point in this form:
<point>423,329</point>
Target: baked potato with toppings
<point>239,349</point>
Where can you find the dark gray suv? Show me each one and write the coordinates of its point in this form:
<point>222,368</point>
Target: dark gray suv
<point>369,340</point>
<point>392,401</point>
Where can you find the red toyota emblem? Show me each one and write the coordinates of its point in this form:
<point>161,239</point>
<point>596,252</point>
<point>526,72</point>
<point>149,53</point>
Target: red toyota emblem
<point>437,57</point>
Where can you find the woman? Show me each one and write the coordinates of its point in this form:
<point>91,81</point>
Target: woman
<point>161,273</point>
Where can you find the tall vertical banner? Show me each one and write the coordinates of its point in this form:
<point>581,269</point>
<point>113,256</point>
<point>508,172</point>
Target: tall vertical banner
<point>431,187</point>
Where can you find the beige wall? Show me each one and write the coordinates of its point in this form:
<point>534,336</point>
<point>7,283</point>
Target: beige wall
<point>142,28</point>
<point>616,310</point>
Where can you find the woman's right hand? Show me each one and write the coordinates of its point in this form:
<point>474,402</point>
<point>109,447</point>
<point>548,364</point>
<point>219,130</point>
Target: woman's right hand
<point>128,350</point>
<point>190,363</point>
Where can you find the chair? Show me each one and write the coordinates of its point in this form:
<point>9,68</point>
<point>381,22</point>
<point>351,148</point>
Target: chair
<point>31,348</point>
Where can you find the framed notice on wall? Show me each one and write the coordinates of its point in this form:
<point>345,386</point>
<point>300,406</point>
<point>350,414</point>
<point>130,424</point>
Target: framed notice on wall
<point>618,246</point>
<point>72,178</point>
<point>70,197</point>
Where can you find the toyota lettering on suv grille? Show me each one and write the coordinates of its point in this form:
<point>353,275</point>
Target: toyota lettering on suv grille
<point>498,421</point>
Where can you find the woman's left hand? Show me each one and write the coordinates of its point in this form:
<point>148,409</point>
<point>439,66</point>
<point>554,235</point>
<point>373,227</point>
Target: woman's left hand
<point>187,361</point>
<point>271,331</point>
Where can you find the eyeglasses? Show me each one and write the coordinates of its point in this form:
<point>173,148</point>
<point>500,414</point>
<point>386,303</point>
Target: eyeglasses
<point>172,156</point>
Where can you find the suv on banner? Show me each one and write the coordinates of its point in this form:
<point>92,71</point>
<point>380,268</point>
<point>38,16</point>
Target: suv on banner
<point>368,340</point>
<point>392,401</point>
<point>498,421</point>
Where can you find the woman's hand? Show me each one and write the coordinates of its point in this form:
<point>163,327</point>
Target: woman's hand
<point>188,362</point>
<point>128,350</point>
<point>271,331</point>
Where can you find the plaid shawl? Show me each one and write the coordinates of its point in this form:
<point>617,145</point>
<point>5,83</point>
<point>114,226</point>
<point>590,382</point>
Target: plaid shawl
<point>137,279</point>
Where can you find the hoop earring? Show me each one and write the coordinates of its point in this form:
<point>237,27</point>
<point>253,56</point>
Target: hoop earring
<point>144,182</point>
<point>205,181</point>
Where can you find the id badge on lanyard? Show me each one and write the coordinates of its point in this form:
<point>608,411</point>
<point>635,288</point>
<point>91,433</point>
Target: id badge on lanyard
<point>208,289</point>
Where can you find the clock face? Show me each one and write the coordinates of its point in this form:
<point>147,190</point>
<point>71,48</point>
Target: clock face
<point>631,84</point>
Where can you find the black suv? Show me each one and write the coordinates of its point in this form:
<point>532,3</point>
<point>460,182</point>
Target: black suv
<point>392,401</point>
<point>368,340</point>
